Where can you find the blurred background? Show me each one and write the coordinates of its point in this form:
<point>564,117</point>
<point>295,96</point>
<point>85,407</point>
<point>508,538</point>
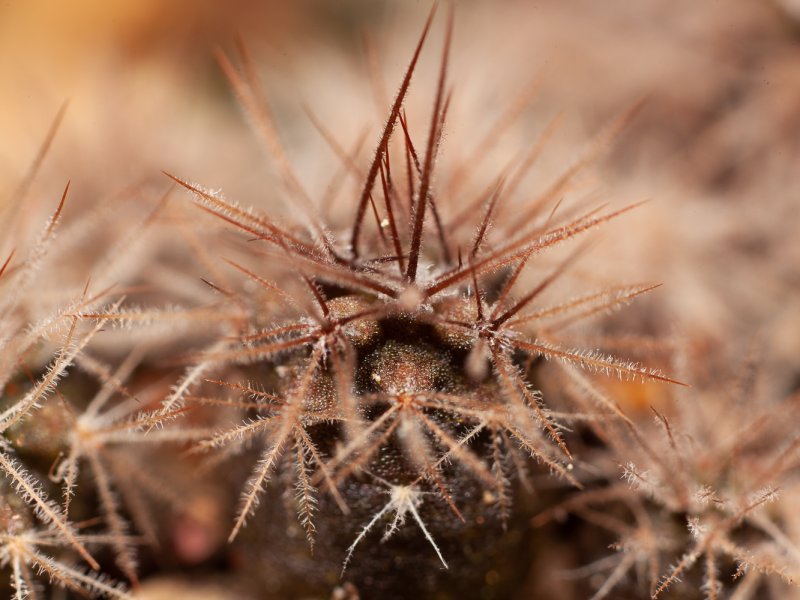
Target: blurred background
<point>716,146</point>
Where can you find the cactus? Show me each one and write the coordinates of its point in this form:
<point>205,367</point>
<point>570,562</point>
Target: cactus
<point>395,397</point>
